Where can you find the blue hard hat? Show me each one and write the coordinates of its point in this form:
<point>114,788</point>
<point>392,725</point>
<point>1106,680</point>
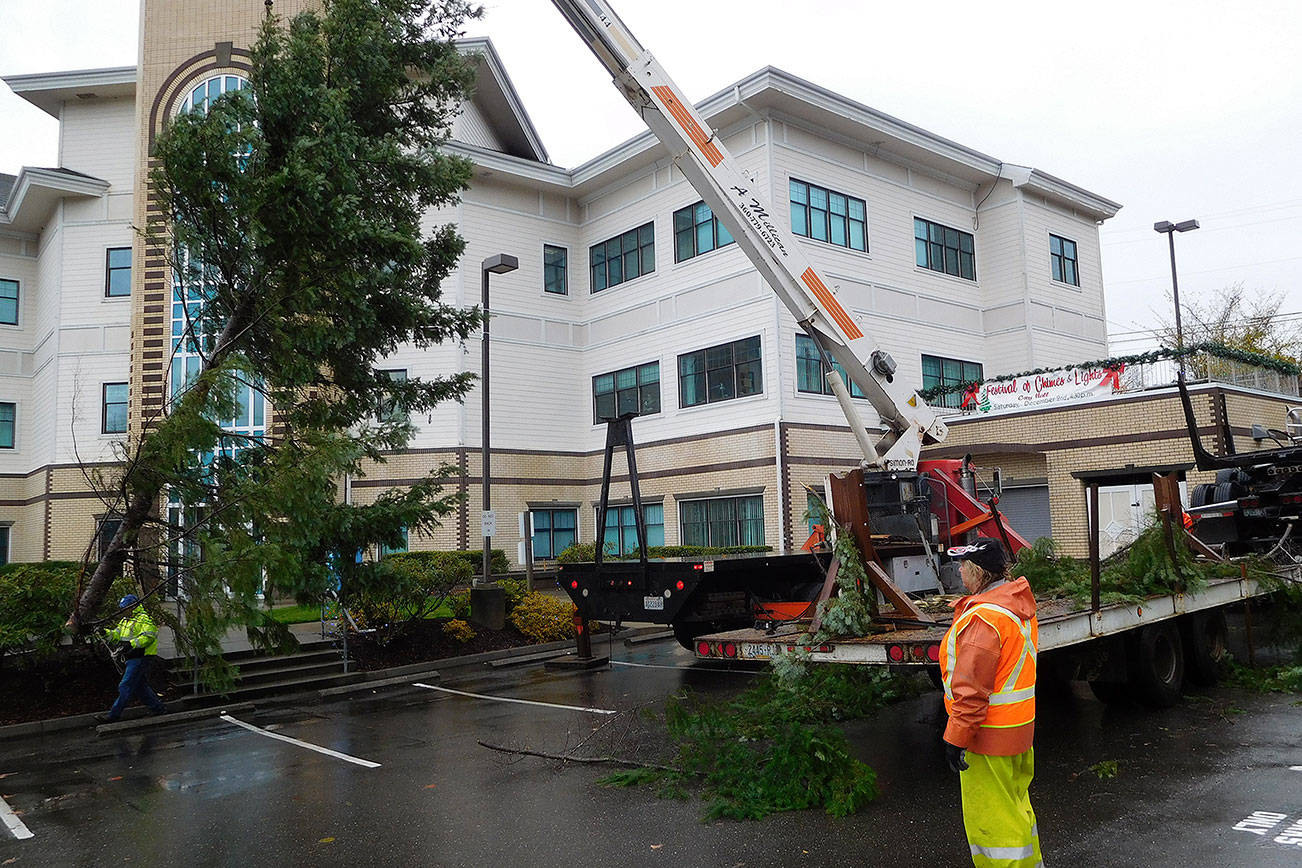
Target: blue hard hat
<point>128,600</point>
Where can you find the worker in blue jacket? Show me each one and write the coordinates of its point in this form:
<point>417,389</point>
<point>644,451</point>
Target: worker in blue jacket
<point>137,634</point>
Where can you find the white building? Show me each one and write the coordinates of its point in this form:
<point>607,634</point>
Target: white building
<point>959,263</point>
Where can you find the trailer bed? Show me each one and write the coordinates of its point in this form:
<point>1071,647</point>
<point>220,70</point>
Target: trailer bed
<point>1063,623</point>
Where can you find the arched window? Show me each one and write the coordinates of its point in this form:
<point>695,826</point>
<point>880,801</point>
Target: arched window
<point>202,95</point>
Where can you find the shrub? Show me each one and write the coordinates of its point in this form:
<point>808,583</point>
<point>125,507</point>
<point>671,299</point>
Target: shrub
<point>35,600</point>
<point>459,630</point>
<point>515,592</point>
<point>542,618</point>
<point>405,588</point>
<point>459,603</point>
<point>473,559</point>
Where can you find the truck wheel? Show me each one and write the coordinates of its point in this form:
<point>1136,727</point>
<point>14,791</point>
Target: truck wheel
<point>1110,692</point>
<point>1202,494</point>
<point>1157,665</point>
<point>1205,637</point>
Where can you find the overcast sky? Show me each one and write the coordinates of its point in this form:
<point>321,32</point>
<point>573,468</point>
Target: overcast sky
<point>1175,110</point>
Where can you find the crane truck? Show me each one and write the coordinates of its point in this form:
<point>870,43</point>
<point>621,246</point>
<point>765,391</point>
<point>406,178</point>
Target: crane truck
<point>914,508</point>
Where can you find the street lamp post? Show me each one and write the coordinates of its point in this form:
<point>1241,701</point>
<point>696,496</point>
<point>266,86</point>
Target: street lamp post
<point>1170,229</point>
<point>498,263</point>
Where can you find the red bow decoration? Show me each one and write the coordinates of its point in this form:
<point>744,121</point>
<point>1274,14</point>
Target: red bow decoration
<point>1113,377</point>
<point>970,395</point>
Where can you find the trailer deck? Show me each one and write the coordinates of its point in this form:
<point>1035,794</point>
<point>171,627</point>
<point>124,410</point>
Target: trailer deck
<point>1063,622</point>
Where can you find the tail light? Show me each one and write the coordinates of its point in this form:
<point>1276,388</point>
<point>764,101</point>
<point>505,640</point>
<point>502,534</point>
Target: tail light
<point>895,653</point>
<point>702,649</point>
<point>680,585</point>
<point>933,653</point>
<point>729,649</point>
<point>574,585</point>
<point>919,652</point>
<point>1249,502</point>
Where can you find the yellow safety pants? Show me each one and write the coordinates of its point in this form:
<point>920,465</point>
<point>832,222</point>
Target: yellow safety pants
<point>997,811</point>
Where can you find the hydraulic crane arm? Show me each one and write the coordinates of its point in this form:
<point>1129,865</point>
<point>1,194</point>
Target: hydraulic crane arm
<point>745,211</point>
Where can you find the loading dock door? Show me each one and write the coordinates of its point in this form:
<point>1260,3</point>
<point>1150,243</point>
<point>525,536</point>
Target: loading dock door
<point>1027,511</point>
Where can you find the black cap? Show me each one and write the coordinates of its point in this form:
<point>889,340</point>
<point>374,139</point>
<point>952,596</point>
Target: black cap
<point>986,553</point>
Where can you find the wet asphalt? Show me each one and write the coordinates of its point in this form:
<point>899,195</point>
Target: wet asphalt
<point>213,793</point>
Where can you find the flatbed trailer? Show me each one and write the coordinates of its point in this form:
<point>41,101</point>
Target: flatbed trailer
<point>1063,624</point>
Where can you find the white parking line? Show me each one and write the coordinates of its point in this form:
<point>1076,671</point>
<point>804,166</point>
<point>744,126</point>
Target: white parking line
<point>11,820</point>
<point>325,750</point>
<point>1295,768</point>
<point>521,701</point>
<point>687,668</point>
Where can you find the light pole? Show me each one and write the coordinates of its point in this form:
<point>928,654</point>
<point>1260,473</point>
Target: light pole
<point>1170,229</point>
<point>498,263</point>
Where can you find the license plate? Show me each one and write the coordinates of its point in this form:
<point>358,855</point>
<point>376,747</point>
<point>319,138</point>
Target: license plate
<point>755,651</point>
<point>653,603</point>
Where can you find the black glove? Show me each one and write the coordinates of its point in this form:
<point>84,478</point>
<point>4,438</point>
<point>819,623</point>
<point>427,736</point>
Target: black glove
<point>954,756</point>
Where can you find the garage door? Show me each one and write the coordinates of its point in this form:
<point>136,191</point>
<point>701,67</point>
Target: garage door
<point>1027,511</point>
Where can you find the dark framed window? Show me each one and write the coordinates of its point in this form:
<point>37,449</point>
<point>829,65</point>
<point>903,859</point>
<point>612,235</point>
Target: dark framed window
<point>826,215</point>
<point>8,301</point>
<point>944,249</point>
<point>401,547</point>
<point>388,410</point>
<point>722,521</point>
<point>556,270</point>
<point>623,257</point>
<point>621,527</point>
<point>108,528</point>
<point>554,530</point>
<point>1062,260</point>
<point>720,373</point>
<point>117,272</point>
<point>4,545</point>
<point>8,415</point>
<point>938,371</point>
<point>809,370</point>
<point>114,416</point>
<point>697,231</point>
<point>632,390</point>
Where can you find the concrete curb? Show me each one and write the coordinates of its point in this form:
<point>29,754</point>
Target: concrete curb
<point>153,722</point>
<point>378,678</point>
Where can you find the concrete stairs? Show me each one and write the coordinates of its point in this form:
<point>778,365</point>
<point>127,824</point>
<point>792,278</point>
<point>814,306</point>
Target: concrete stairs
<point>315,666</point>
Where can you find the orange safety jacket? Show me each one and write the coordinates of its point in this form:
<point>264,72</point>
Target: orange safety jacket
<point>987,666</point>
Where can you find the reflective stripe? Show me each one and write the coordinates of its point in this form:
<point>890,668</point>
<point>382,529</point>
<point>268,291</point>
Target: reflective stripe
<point>1003,852</point>
<point>1008,697</point>
<point>997,697</point>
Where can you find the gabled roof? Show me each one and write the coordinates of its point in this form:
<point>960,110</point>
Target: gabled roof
<point>34,192</point>
<point>792,99</point>
<point>495,98</point>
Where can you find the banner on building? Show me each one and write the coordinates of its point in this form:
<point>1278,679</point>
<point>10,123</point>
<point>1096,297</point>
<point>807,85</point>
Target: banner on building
<point>1041,390</point>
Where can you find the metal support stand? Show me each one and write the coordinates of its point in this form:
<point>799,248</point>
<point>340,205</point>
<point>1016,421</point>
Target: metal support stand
<point>619,432</point>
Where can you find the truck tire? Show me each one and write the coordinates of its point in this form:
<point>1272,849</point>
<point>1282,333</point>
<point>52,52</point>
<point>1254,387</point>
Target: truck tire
<point>1205,638</point>
<point>1202,494</point>
<point>1156,662</point>
<point>1224,491</point>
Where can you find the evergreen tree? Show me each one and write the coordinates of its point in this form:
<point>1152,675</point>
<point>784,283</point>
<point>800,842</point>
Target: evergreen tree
<point>292,211</point>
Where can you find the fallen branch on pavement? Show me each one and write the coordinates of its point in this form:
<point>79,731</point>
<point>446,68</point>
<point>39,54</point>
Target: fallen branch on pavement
<point>571,758</point>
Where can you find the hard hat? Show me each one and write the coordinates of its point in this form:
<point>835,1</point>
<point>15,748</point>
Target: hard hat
<point>128,600</point>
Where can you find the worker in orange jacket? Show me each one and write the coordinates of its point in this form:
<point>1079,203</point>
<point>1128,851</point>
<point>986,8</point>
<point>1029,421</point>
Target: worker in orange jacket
<point>987,665</point>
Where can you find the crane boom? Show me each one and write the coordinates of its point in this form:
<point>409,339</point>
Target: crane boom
<point>745,210</point>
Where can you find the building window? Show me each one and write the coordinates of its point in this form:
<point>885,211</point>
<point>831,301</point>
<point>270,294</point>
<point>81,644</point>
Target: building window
<point>108,528</point>
<point>388,410</point>
<point>937,371</point>
<point>8,302</point>
<point>117,272</point>
<point>8,413</point>
<point>554,530</point>
<point>720,373</point>
<point>621,528</point>
<point>723,521</point>
<point>205,93</point>
<point>623,257</point>
<point>809,370</point>
<point>556,271</point>
<point>632,390</point>
<point>697,231</point>
<point>4,545</point>
<point>825,215</point>
<point>401,547</point>
<point>943,249</point>
<point>1062,259</point>
<point>114,415</point>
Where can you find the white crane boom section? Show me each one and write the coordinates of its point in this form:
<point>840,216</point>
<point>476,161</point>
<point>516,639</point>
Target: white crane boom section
<point>745,211</point>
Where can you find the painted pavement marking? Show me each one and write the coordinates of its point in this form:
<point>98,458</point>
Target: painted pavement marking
<point>520,701</point>
<point>325,750</point>
<point>1295,768</point>
<point>10,819</point>
<point>1267,825</point>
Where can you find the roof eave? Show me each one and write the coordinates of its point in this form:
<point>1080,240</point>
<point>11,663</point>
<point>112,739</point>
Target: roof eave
<point>49,90</point>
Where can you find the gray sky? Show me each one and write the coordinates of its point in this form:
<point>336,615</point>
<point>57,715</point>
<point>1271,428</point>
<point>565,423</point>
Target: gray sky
<point>1175,110</point>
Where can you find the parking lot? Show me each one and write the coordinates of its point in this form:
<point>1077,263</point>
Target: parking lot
<point>398,776</point>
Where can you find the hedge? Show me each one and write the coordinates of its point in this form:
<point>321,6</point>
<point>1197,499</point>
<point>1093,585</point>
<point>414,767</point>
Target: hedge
<point>35,600</point>
<point>475,559</point>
